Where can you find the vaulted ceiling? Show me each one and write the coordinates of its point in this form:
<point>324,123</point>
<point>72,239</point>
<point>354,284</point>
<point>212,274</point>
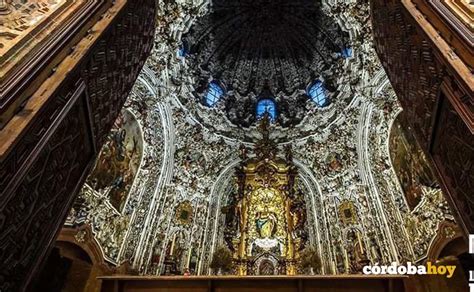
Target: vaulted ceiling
<point>261,48</point>
<point>252,50</point>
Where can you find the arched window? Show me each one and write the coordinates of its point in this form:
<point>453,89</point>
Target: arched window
<point>346,52</point>
<point>266,106</point>
<point>183,49</point>
<point>213,94</point>
<point>182,52</point>
<point>317,92</point>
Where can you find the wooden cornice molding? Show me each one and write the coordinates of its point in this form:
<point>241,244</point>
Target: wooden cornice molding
<point>462,81</point>
<point>25,77</point>
<point>458,34</point>
<point>19,123</point>
<point>458,15</point>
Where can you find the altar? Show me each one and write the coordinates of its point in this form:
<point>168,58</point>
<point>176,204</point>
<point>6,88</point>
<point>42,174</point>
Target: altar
<point>265,222</point>
<point>353,283</point>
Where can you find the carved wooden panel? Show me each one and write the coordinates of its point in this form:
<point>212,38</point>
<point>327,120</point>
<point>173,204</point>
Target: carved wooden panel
<point>28,217</point>
<point>110,74</point>
<point>24,151</point>
<point>42,174</point>
<point>408,58</point>
<point>418,70</point>
<point>453,153</point>
<point>44,33</point>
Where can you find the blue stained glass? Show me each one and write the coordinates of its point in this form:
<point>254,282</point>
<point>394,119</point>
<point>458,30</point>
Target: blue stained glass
<point>317,92</point>
<point>266,106</point>
<point>213,94</point>
<point>346,52</point>
<point>182,52</point>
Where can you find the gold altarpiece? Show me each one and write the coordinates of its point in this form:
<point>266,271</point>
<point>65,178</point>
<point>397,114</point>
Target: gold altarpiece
<point>266,218</point>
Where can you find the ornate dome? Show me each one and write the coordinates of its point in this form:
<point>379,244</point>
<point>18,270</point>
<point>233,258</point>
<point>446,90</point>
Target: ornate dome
<point>262,48</point>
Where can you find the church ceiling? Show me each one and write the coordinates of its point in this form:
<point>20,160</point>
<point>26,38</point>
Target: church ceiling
<point>233,116</point>
<point>344,80</point>
<point>191,150</point>
<point>272,49</point>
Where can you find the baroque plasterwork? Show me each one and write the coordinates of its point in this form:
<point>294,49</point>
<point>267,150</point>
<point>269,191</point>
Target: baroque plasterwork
<point>269,65</point>
<point>190,153</point>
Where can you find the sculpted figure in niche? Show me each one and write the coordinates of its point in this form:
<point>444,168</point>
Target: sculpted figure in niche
<point>298,215</point>
<point>266,223</point>
<point>339,257</point>
<point>374,250</point>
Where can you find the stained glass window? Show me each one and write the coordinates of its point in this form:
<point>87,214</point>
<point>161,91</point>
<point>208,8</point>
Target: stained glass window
<point>317,92</point>
<point>213,94</point>
<point>346,52</point>
<point>266,106</point>
<point>183,50</point>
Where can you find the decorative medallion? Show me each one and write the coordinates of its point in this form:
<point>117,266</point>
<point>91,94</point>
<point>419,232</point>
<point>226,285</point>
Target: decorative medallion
<point>347,212</point>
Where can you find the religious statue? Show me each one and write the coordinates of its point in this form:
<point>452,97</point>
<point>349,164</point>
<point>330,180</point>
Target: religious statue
<point>266,223</point>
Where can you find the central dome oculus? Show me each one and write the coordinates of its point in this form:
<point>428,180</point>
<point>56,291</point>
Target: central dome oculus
<point>281,47</point>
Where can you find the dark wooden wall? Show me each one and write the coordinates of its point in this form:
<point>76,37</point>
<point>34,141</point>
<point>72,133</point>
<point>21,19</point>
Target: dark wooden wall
<point>434,87</point>
<point>42,173</point>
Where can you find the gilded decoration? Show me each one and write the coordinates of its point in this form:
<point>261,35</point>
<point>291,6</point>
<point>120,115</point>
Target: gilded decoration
<point>347,213</point>
<point>266,231</point>
<point>191,154</point>
<point>184,213</point>
<point>80,236</point>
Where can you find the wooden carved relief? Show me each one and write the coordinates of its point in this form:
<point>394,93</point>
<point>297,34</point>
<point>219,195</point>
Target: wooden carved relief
<point>408,58</point>
<point>34,38</point>
<point>24,150</point>
<point>31,216</point>
<point>418,72</point>
<point>453,153</point>
<point>42,174</point>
